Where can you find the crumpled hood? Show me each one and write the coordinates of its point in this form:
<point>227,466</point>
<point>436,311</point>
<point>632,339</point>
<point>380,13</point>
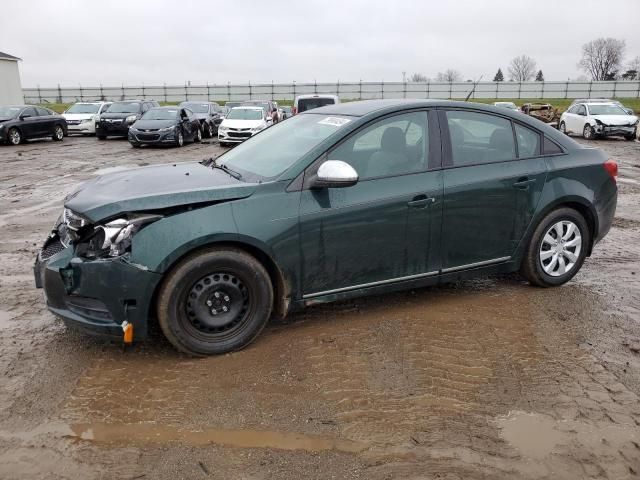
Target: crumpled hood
<point>616,119</point>
<point>152,188</point>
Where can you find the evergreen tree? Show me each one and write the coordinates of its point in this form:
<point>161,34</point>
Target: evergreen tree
<point>539,76</point>
<point>499,76</point>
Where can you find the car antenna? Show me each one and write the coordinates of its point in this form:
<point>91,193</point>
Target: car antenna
<point>475,84</point>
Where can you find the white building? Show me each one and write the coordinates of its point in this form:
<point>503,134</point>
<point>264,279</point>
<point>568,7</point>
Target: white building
<point>10,86</point>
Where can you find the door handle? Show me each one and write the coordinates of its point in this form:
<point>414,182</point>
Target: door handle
<point>524,182</point>
<point>421,201</point>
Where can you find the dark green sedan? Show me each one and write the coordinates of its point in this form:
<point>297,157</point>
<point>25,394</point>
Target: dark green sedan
<point>341,201</point>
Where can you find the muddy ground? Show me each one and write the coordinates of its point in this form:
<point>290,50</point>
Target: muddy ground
<point>488,378</point>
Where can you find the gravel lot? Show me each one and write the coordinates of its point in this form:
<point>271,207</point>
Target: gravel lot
<point>488,378</point>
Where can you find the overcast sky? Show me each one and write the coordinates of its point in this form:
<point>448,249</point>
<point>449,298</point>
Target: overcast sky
<point>154,42</point>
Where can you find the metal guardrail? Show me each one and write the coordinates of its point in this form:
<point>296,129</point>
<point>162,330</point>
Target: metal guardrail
<point>351,91</point>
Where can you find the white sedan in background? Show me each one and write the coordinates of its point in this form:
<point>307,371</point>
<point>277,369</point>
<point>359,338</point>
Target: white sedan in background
<point>598,119</point>
<point>242,123</point>
<point>81,117</point>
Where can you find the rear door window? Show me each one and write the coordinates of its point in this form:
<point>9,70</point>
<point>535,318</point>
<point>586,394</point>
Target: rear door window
<point>478,138</point>
<point>43,112</point>
<point>305,104</point>
<point>551,147</point>
<point>30,112</point>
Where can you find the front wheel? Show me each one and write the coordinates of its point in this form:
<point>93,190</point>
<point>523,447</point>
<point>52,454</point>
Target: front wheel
<point>557,248</point>
<point>563,128</point>
<point>588,132</point>
<point>209,130</point>
<point>14,137</point>
<point>215,301</point>
<point>179,139</point>
<point>198,137</point>
<point>58,133</point>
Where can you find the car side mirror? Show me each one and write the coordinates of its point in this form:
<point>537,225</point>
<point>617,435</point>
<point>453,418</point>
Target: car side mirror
<point>24,115</point>
<point>334,174</point>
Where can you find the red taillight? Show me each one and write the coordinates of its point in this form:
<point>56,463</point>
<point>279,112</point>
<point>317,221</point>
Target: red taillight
<point>293,110</point>
<point>612,169</point>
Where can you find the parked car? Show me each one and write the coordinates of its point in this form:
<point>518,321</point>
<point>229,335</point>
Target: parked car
<point>286,112</point>
<point>165,126</point>
<point>82,117</point>
<point>302,103</point>
<point>242,123</point>
<point>270,108</point>
<point>229,105</point>
<point>120,116</point>
<point>602,100</point>
<point>23,122</point>
<point>210,115</point>
<point>355,199</point>
<point>509,105</point>
<point>592,120</point>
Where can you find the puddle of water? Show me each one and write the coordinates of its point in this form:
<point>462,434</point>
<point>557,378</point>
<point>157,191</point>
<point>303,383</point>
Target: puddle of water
<point>538,436</point>
<point>146,434</point>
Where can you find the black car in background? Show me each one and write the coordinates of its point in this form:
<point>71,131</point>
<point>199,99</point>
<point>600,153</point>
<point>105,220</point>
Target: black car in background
<point>120,116</point>
<point>210,115</point>
<point>22,122</point>
<point>165,126</point>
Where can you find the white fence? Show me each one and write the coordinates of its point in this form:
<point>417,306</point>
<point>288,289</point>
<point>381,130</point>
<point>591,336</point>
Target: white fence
<point>351,91</point>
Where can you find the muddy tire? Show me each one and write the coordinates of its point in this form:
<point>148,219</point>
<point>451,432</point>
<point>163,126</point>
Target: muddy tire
<point>557,248</point>
<point>58,133</point>
<point>215,301</point>
<point>588,132</point>
<point>14,136</point>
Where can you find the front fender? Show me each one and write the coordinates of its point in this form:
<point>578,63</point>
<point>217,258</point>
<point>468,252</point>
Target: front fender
<point>161,243</point>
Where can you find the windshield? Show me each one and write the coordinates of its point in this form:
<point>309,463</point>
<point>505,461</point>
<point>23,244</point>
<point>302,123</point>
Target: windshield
<point>124,107</point>
<point>196,107</point>
<point>277,148</point>
<point>606,110</point>
<point>9,111</point>
<point>305,104</point>
<point>84,108</point>
<point>245,114</point>
<point>264,105</point>
<point>161,114</point>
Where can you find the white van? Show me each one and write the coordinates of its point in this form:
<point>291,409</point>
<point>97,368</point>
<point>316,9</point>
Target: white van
<point>302,103</point>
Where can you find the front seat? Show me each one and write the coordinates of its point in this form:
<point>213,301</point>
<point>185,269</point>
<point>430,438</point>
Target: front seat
<point>392,156</point>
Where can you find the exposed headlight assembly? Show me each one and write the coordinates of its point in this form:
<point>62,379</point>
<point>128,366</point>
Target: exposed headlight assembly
<point>167,129</point>
<point>131,118</point>
<point>116,235</point>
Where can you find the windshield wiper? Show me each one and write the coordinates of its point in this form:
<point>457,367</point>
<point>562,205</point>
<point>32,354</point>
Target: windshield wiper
<point>211,162</point>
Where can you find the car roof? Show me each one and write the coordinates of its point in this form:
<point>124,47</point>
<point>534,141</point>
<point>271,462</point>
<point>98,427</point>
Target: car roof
<point>316,95</point>
<point>166,107</point>
<point>248,107</point>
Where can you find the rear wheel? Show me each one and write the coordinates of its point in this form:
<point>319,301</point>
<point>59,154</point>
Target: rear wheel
<point>58,133</point>
<point>557,248</point>
<point>214,302</point>
<point>588,132</point>
<point>14,137</point>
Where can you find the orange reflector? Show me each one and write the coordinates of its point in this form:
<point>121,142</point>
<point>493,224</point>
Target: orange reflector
<point>127,330</point>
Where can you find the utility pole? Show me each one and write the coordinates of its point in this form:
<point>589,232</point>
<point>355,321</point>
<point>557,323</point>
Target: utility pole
<point>404,77</point>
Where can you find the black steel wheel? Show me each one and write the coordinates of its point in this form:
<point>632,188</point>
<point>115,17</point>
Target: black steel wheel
<point>215,301</point>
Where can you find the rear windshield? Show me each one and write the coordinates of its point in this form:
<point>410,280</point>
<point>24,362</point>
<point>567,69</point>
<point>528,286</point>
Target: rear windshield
<point>84,108</point>
<point>305,104</point>
<point>124,107</point>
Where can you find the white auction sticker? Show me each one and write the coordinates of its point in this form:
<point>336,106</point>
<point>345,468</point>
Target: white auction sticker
<point>334,121</point>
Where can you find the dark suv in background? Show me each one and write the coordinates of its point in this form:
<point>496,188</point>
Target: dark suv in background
<point>209,114</point>
<point>120,116</point>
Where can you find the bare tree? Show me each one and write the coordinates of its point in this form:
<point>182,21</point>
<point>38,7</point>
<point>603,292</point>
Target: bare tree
<point>522,68</point>
<point>602,58</point>
<point>418,78</point>
<point>449,75</point>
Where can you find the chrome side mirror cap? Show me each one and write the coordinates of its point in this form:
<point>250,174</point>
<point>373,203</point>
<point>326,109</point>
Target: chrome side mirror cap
<point>335,174</point>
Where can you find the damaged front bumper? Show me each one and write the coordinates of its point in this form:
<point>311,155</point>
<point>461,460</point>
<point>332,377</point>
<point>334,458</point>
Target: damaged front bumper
<point>607,130</point>
<point>95,296</point>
